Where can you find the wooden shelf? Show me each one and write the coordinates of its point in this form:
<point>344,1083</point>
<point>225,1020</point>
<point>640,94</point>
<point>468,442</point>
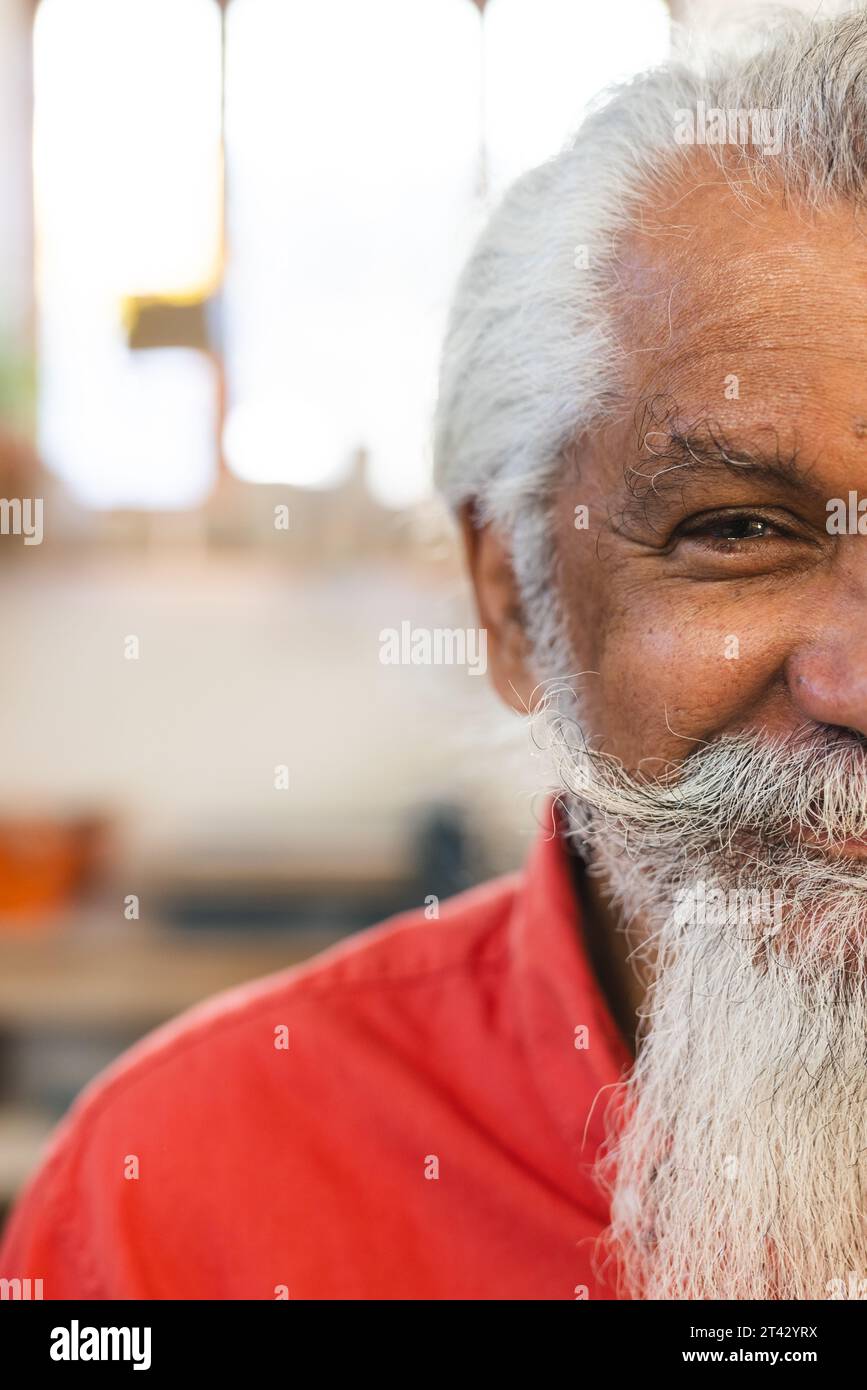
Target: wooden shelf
<point>111,979</point>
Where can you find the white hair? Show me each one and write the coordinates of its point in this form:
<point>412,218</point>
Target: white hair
<point>531,359</point>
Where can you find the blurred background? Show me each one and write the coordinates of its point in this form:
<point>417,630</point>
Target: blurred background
<point>228,235</point>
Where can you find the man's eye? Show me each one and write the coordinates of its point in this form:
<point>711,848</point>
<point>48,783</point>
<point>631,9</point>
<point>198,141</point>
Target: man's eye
<point>729,530</point>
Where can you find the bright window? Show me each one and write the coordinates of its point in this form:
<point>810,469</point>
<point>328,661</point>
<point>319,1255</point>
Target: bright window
<point>352,191</point>
<point>127,170</point>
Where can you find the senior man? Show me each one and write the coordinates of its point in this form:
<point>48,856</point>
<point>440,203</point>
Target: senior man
<point>638,1069</point>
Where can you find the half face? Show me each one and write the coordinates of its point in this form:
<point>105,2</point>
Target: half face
<point>717,582</point>
<point>712,558</point>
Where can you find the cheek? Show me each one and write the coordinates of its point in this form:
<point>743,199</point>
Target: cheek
<point>667,672</point>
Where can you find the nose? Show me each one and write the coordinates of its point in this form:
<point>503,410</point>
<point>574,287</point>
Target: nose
<point>828,681</point>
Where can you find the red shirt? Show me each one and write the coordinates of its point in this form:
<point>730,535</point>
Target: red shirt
<point>403,1117</point>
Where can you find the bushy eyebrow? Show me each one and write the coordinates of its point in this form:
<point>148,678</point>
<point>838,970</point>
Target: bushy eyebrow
<point>671,457</point>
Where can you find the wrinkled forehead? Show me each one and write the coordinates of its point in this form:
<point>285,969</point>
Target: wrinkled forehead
<point>746,308</point>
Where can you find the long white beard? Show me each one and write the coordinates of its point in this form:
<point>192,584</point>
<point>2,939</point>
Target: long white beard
<point>737,1160</point>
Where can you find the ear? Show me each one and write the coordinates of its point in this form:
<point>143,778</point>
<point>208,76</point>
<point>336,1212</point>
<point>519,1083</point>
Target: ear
<point>498,604</point>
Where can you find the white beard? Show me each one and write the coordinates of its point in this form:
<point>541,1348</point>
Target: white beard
<point>737,1158</point>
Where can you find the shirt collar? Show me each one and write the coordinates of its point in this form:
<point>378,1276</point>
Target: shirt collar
<point>557,993</point>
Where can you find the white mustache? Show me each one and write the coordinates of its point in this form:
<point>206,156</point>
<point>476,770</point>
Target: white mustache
<point>811,783</point>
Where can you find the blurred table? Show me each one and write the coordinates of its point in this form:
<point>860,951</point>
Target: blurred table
<point>137,978</point>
